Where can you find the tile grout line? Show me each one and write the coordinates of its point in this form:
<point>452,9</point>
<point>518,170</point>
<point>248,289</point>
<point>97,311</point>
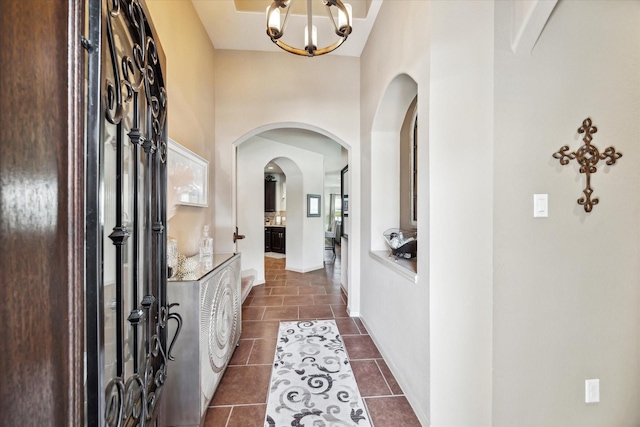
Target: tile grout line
<point>234,405</point>
<point>383,376</point>
<point>364,400</point>
<point>250,351</point>
<point>229,416</point>
<point>385,397</point>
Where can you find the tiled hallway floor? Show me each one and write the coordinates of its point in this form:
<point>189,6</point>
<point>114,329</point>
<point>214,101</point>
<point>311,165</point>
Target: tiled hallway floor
<point>240,400</point>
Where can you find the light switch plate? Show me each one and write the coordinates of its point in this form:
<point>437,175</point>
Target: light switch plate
<point>592,391</point>
<point>540,205</point>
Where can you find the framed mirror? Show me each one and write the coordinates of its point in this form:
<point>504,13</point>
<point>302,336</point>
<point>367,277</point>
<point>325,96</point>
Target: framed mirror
<point>188,176</point>
<point>313,205</point>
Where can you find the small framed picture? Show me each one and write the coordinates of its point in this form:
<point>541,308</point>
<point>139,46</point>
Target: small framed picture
<point>313,205</point>
<point>345,205</point>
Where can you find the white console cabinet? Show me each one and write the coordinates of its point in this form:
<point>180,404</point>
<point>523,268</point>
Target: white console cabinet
<point>210,308</point>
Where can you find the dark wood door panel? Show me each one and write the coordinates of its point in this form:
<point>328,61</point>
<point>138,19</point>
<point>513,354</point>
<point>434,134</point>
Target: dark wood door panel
<point>41,221</point>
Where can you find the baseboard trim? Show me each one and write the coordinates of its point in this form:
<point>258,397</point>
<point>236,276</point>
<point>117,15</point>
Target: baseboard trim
<point>422,417</point>
<point>304,270</point>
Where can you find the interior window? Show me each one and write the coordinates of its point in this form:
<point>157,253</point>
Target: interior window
<point>408,171</point>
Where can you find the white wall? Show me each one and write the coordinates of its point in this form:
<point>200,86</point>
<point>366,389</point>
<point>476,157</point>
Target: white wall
<point>566,294</point>
<point>436,333</point>
<point>258,91</point>
<point>394,309</point>
<point>305,175</point>
<point>461,206</point>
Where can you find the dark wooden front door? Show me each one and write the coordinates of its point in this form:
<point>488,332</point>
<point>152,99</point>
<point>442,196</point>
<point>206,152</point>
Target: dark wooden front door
<point>41,213</point>
<point>51,223</point>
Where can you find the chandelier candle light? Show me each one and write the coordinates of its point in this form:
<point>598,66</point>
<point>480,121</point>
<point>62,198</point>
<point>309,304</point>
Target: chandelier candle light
<point>342,27</point>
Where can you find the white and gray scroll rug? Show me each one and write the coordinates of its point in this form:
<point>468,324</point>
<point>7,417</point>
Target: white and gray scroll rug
<point>312,383</point>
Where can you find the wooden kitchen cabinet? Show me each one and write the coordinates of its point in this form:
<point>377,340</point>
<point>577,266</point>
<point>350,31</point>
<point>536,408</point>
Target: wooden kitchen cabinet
<point>270,196</point>
<point>267,239</point>
<point>278,239</point>
<point>275,239</point>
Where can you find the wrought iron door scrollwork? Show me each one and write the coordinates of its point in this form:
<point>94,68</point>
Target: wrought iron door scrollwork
<point>127,344</point>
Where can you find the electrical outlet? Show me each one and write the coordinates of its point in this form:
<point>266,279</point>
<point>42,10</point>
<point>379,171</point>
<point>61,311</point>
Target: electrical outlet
<point>592,391</point>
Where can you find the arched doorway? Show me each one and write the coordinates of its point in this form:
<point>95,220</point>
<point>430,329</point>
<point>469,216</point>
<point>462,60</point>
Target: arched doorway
<point>305,157</point>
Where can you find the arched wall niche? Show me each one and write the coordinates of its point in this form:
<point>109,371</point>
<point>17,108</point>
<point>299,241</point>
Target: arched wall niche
<point>385,157</point>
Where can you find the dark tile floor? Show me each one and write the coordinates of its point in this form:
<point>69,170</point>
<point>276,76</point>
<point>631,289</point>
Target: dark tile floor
<point>240,400</point>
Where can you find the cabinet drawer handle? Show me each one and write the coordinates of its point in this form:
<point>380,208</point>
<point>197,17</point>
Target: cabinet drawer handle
<point>178,319</point>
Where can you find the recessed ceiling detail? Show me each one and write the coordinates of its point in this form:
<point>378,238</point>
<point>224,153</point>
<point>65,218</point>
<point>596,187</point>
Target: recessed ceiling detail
<point>359,7</point>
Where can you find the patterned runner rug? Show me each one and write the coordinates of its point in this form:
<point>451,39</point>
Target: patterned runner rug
<point>312,383</point>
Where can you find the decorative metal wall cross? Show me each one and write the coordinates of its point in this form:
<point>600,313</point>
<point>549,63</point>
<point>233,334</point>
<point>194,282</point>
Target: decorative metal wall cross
<point>587,157</point>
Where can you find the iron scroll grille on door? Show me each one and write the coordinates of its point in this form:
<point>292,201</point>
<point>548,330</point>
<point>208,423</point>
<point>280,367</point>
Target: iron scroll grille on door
<point>126,307</point>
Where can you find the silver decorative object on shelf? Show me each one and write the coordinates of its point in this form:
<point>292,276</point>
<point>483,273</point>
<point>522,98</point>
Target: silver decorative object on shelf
<point>403,243</point>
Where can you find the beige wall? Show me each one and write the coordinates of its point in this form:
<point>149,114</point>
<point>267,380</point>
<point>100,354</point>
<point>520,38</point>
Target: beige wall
<point>460,129</point>
<point>191,92</point>
<point>566,293</point>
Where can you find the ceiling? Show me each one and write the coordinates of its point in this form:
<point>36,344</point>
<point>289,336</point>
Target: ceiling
<point>241,24</point>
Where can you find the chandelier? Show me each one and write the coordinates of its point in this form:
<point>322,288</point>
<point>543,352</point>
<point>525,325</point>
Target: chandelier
<point>342,27</point>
